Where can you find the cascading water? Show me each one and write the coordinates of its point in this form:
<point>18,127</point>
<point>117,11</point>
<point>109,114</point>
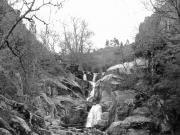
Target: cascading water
<point>94,114</point>
<point>84,77</point>
<point>91,95</point>
<point>94,77</point>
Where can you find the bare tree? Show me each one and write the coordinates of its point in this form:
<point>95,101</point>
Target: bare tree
<point>29,14</point>
<point>76,40</point>
<point>167,8</point>
<point>50,38</point>
<point>23,52</point>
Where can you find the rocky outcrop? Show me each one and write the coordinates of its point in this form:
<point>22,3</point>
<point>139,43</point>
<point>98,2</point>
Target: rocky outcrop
<point>143,111</point>
<point>4,132</point>
<point>131,123</point>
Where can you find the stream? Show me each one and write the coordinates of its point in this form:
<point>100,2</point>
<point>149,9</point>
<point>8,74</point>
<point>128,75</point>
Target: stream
<point>95,112</point>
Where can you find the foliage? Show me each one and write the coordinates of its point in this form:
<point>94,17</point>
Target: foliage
<point>158,42</point>
<point>24,53</point>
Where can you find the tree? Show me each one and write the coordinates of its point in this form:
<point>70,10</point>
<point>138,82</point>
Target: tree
<point>107,43</point>
<point>76,41</point>
<point>50,38</point>
<point>158,43</point>
<point>29,14</point>
<point>19,47</point>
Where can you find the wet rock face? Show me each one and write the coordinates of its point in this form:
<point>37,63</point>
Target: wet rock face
<point>85,86</point>
<point>89,76</point>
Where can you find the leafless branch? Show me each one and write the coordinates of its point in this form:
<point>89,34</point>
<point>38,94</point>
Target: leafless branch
<point>5,39</point>
<point>30,5</point>
<point>40,20</point>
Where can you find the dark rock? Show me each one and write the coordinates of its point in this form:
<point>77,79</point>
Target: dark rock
<point>140,99</point>
<point>85,86</point>
<point>20,126</point>
<point>138,132</point>
<point>79,74</point>
<point>89,76</point>
<point>139,122</point>
<point>123,111</point>
<point>37,121</point>
<point>22,109</point>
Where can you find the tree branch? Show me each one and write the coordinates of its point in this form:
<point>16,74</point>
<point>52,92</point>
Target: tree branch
<point>5,39</point>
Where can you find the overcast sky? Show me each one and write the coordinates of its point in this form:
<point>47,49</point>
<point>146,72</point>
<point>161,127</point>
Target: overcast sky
<point>106,18</point>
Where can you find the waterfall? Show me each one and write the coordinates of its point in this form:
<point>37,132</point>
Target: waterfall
<point>93,83</point>
<point>94,77</point>
<point>94,115</point>
<point>92,91</point>
<point>84,77</point>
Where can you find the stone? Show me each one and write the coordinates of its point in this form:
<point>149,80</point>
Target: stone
<point>105,116</point>
<point>122,112</point>
<point>102,124</point>
<point>126,96</point>
<point>106,105</point>
<point>139,122</point>
<point>20,125</point>
<point>4,132</point>
<point>165,126</point>
<point>56,122</point>
<point>144,111</point>
<point>116,128</point>
<point>5,125</point>
<point>34,133</point>
<point>137,132</point>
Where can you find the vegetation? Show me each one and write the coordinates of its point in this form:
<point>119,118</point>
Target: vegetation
<point>31,72</point>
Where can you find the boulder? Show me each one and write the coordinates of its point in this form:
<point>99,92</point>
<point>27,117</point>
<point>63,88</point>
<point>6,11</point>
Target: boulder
<point>138,132</point>
<point>20,125</point>
<point>132,122</point>
<point>117,128</point>
<point>4,132</point>
<point>125,96</point>
<point>105,116</point>
<point>101,124</point>
<point>106,105</point>
<point>73,112</point>
<point>138,122</point>
<point>143,111</point>
<point>123,111</point>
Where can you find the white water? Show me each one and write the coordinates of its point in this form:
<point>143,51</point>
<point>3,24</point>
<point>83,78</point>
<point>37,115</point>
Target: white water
<point>94,114</point>
<point>84,77</point>
<point>93,83</point>
<point>94,77</point>
<point>92,91</point>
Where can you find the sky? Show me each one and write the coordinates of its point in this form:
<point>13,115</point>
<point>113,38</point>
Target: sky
<point>106,18</point>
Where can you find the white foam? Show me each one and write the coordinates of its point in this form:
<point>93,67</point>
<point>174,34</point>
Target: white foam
<point>94,115</point>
